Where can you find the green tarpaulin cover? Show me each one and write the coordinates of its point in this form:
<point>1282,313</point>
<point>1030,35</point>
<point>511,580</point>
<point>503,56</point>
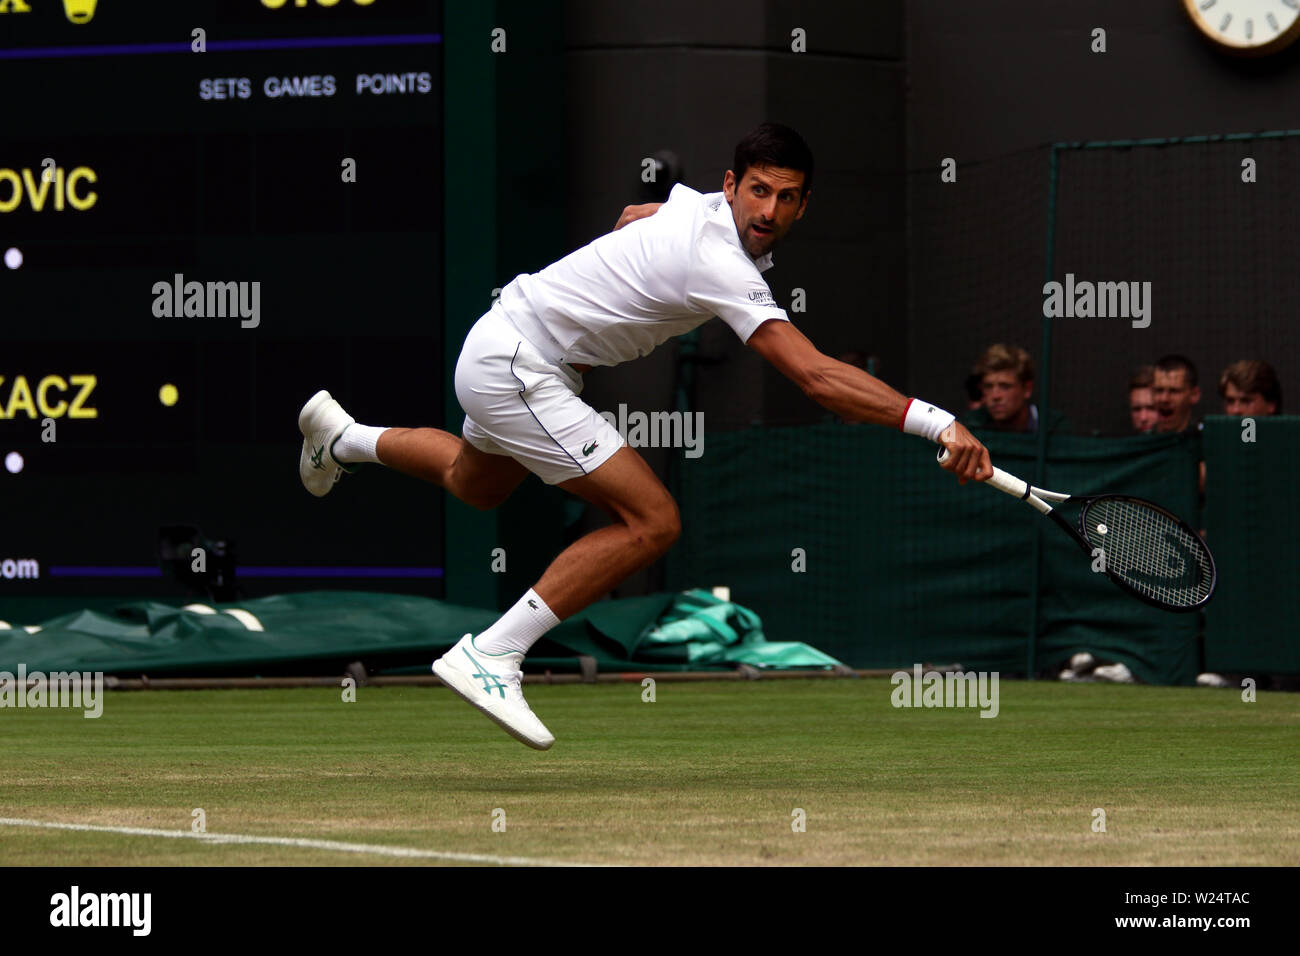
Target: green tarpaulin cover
<point>320,632</point>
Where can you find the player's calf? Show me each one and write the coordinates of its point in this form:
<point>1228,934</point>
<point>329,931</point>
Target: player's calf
<point>480,480</point>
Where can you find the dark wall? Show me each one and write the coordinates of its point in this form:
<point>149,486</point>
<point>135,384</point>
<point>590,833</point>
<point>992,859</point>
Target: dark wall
<point>982,85</point>
<point>992,91</point>
<point>694,78</point>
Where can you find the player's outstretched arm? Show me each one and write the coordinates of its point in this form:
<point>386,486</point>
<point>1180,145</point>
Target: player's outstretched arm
<point>855,396</point>
<point>633,213</point>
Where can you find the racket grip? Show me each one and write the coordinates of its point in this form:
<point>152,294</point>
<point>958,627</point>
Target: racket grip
<point>1001,480</point>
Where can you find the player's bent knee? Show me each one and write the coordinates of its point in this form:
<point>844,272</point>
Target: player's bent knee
<point>476,495</point>
<point>672,527</point>
<point>662,530</point>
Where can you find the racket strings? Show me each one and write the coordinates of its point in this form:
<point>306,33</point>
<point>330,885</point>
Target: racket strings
<point>1150,551</point>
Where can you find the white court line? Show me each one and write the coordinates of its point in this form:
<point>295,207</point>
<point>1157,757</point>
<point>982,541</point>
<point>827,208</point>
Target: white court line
<point>335,845</point>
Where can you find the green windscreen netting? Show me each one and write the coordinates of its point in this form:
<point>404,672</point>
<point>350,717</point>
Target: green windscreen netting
<point>853,538</point>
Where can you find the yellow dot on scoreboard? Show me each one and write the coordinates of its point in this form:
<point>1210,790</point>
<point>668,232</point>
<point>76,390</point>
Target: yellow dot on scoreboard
<point>168,395</point>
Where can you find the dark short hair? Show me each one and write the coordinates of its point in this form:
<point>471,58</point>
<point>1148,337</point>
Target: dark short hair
<point>1143,376</point>
<point>1253,376</point>
<point>771,144</point>
<point>1176,363</point>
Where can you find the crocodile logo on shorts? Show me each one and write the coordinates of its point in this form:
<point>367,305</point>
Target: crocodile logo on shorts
<point>588,449</point>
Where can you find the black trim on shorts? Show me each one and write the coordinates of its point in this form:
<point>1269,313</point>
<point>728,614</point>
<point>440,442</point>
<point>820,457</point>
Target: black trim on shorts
<point>522,389</point>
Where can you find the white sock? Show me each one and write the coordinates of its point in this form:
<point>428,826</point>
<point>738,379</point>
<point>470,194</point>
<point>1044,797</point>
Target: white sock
<point>519,628</point>
<point>357,443</point>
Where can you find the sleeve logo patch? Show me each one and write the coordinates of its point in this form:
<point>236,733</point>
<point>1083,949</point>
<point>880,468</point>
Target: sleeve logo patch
<point>762,298</point>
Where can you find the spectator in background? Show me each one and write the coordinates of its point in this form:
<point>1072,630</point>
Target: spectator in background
<point>1006,374</point>
<point>1142,400</point>
<point>1250,388</point>
<point>1176,393</point>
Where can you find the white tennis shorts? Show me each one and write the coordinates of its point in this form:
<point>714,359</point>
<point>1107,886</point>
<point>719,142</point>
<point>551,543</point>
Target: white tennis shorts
<point>518,404</point>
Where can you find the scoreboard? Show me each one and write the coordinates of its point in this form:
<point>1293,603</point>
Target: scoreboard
<point>208,211</point>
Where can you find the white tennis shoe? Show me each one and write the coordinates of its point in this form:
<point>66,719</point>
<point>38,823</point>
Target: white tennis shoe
<point>321,422</point>
<point>493,683</point>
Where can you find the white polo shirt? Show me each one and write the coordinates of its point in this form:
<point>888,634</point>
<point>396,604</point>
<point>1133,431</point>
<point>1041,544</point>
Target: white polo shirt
<point>629,291</point>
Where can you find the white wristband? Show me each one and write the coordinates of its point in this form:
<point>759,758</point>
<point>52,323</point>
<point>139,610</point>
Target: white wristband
<point>928,421</point>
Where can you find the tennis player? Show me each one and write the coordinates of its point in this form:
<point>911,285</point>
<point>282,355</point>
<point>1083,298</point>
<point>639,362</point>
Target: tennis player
<point>665,269</point>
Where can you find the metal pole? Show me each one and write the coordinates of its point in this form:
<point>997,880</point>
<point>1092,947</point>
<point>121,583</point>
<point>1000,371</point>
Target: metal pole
<point>1044,397</point>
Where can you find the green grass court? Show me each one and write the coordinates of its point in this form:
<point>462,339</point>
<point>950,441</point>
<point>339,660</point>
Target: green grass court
<point>709,773</point>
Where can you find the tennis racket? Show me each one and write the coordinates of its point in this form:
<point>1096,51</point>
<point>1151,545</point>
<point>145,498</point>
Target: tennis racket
<point>1149,552</point>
